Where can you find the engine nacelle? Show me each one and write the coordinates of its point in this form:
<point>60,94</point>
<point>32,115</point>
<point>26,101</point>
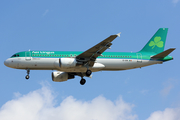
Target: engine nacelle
<point>61,76</point>
<point>65,63</point>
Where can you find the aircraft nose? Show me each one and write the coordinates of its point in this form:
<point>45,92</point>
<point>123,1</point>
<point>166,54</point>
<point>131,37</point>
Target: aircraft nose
<point>6,63</point>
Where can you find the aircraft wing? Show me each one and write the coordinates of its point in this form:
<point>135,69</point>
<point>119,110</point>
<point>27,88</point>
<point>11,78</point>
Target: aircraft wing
<point>89,56</point>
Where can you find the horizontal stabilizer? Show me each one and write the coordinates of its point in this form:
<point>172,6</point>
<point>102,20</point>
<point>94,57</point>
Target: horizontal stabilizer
<point>163,54</point>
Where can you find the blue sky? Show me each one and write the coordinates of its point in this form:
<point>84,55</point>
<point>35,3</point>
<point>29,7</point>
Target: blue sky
<point>148,93</point>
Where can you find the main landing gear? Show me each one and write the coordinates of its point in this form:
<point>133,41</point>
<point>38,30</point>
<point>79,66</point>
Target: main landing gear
<point>88,73</point>
<point>27,76</point>
<point>83,81</point>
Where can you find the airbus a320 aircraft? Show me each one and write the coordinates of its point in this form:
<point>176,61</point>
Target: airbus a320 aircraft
<point>70,63</point>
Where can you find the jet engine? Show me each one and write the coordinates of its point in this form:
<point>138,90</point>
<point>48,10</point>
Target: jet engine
<point>65,62</point>
<point>61,76</point>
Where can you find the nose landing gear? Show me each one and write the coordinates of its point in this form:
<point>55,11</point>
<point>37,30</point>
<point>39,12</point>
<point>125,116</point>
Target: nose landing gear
<point>27,76</point>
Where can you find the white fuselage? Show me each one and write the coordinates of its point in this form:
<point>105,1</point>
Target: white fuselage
<point>100,64</point>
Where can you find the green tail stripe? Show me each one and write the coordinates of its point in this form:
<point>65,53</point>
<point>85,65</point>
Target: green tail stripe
<point>157,42</point>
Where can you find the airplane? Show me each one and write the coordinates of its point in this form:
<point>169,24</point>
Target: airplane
<point>69,64</point>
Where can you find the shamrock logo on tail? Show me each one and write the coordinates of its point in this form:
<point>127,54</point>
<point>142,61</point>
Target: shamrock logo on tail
<point>157,42</point>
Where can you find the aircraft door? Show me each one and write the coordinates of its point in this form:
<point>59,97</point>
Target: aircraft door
<point>139,57</point>
<point>28,55</point>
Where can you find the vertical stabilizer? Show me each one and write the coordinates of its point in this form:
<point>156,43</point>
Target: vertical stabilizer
<point>157,42</point>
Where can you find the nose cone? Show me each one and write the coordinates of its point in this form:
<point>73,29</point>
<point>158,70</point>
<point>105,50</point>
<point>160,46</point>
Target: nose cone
<point>6,63</point>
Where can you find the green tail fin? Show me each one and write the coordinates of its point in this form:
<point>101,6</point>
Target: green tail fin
<point>157,42</point>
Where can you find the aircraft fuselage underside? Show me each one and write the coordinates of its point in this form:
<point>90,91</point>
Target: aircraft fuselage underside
<point>51,64</point>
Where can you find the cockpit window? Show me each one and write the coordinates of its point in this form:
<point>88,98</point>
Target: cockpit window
<point>15,55</point>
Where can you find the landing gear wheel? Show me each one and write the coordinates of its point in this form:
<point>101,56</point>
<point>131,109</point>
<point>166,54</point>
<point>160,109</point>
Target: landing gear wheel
<point>27,77</point>
<point>88,73</point>
<point>83,81</point>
